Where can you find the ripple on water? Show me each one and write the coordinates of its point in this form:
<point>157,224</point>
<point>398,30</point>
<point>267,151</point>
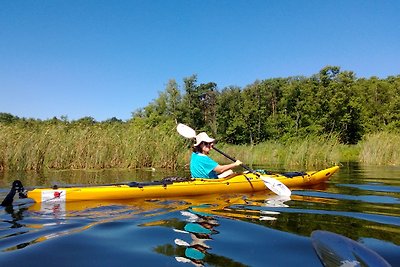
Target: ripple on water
<point>232,230</point>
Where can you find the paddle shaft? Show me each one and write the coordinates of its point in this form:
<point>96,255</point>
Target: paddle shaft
<point>233,159</point>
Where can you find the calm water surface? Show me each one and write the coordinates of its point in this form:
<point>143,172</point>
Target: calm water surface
<point>359,202</point>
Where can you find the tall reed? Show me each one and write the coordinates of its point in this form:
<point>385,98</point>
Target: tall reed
<point>381,148</point>
<point>312,151</point>
<point>137,145</point>
<point>68,146</point>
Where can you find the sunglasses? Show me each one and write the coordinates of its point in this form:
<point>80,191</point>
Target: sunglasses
<point>208,144</point>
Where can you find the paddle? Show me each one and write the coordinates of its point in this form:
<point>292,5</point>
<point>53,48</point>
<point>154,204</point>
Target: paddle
<point>16,187</point>
<point>274,185</point>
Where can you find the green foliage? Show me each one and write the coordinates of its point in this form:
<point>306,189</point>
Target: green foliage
<point>7,118</point>
<point>332,102</point>
<point>295,120</point>
<point>231,123</point>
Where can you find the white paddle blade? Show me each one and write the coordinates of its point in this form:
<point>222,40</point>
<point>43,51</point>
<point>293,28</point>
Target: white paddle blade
<point>180,242</point>
<point>276,186</point>
<point>277,201</point>
<point>185,131</point>
<point>182,259</point>
<point>180,231</point>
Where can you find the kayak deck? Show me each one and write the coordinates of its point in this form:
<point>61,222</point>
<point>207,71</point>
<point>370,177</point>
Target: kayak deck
<point>236,183</point>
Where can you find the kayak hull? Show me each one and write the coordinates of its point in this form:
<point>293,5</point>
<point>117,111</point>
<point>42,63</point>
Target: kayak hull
<point>238,183</point>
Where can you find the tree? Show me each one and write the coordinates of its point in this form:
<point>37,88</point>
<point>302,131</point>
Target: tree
<point>329,102</point>
<point>174,99</point>
<point>86,121</point>
<point>232,127</point>
<point>191,103</point>
<point>208,100</point>
<point>7,118</point>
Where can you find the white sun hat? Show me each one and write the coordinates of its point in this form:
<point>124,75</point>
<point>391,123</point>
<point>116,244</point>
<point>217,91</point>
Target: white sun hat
<point>203,137</point>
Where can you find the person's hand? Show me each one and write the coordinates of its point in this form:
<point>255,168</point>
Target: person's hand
<point>238,163</point>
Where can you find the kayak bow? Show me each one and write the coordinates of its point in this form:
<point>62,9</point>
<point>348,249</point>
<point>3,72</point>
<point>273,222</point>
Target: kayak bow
<point>337,250</point>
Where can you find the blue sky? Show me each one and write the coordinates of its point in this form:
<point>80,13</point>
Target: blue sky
<point>109,58</point>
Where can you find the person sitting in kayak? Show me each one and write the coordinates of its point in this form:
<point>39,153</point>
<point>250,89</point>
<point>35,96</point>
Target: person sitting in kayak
<point>201,165</point>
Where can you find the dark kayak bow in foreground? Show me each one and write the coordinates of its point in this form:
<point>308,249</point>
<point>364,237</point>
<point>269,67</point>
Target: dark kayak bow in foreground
<point>337,250</point>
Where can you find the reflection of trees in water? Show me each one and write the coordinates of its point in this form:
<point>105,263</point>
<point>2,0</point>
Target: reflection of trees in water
<point>211,259</point>
<point>350,218</point>
<point>304,214</point>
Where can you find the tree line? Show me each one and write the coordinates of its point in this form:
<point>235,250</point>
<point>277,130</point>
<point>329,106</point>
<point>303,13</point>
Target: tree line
<point>331,102</point>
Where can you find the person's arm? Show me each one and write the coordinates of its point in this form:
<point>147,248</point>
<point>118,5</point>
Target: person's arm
<point>224,168</point>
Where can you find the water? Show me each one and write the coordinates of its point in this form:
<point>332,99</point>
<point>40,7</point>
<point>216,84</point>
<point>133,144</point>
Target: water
<point>362,203</point>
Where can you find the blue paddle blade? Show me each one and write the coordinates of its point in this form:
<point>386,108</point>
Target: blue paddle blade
<point>337,250</point>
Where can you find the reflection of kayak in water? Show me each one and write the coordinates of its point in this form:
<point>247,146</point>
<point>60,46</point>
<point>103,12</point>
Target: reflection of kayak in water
<point>236,183</point>
<point>337,250</point>
<point>194,207</point>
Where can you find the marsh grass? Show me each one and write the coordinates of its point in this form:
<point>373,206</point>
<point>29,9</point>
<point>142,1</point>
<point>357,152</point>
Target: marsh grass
<point>64,146</point>
<point>137,145</point>
<point>312,151</point>
<point>380,149</point>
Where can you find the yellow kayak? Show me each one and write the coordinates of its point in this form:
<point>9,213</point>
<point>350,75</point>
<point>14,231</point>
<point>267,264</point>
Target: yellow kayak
<point>235,183</point>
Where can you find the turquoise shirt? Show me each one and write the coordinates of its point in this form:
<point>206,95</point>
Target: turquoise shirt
<point>202,166</point>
